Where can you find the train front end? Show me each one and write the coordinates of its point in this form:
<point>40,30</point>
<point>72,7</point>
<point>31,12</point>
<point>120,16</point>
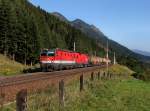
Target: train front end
<point>47,59</point>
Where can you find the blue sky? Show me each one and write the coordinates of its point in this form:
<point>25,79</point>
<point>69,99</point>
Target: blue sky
<point>125,21</point>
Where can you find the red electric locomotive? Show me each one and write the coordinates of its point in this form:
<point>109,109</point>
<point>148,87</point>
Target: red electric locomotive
<point>58,59</point>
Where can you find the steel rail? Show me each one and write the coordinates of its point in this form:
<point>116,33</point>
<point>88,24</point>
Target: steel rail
<point>14,80</point>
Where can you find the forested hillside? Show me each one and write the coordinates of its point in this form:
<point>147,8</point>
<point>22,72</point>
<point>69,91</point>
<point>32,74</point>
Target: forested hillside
<point>26,29</point>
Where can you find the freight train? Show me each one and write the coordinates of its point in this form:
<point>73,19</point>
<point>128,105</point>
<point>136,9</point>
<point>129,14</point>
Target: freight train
<point>58,59</point>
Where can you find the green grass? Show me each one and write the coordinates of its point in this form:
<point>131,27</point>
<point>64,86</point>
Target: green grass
<point>9,67</point>
<point>112,95</point>
<point>99,95</point>
<point>126,95</point>
<point>120,69</point>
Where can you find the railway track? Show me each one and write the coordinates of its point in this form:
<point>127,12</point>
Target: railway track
<point>9,86</point>
<point>42,75</point>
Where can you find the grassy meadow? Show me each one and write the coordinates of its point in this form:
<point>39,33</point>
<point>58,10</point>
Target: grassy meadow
<point>112,95</point>
<point>99,95</point>
<point>120,69</point>
<point>9,67</point>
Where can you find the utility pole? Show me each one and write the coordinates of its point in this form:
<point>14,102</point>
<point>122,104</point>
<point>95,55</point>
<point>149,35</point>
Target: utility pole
<point>74,47</point>
<point>107,50</point>
<point>95,53</point>
<point>107,56</point>
<point>114,58</point>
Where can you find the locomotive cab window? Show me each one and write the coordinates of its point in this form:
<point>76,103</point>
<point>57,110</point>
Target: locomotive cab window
<point>51,53</point>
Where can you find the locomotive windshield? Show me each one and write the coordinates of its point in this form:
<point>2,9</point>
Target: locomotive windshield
<point>51,53</point>
<point>47,53</point>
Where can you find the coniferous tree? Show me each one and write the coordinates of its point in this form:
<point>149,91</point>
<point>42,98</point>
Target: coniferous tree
<point>4,26</point>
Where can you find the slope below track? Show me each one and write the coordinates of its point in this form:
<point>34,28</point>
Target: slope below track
<point>10,86</point>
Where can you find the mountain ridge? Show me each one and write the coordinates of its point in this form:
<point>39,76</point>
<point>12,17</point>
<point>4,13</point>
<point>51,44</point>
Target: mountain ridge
<point>93,32</point>
<point>145,53</point>
<point>60,16</point>
<point>90,30</point>
<point>81,25</point>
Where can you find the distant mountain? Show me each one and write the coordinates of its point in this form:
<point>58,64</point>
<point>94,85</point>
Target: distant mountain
<point>90,30</point>
<point>60,16</point>
<point>95,33</point>
<point>145,53</point>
